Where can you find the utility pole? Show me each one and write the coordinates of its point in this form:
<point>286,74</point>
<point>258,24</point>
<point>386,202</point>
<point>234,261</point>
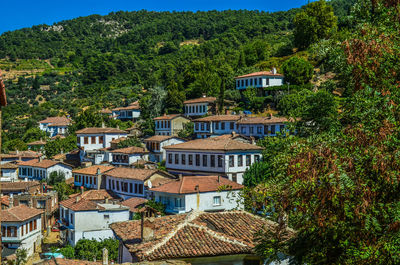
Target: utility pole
<point>3,102</point>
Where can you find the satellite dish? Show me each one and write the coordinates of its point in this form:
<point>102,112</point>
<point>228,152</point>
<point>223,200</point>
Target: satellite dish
<point>149,184</point>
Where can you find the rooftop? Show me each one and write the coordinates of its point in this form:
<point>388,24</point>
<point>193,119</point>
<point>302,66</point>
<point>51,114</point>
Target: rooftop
<point>160,138</point>
<point>201,100</point>
<point>130,150</point>
<point>262,120</point>
<point>132,173</point>
<point>45,163</point>
<point>226,142</point>
<point>9,165</point>
<point>88,200</point>
<point>168,117</point>
<point>133,203</point>
<point>133,106</point>
<point>95,130</point>
<point>188,184</point>
<point>19,213</point>
<point>220,118</point>
<point>57,121</point>
<point>18,185</point>
<point>92,170</point>
<point>21,154</point>
<point>262,73</point>
<point>196,234</point>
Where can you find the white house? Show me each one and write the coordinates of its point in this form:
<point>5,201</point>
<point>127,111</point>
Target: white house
<point>259,80</point>
<point>198,193</point>
<point>170,124</point>
<point>90,177</point>
<point>15,156</point>
<point>89,214</point>
<point>133,182</point>
<point>90,139</point>
<point>226,155</point>
<point>200,106</point>
<point>155,144</point>
<point>9,172</point>
<point>261,127</point>
<point>215,125</point>
<point>21,228</point>
<point>37,169</point>
<point>131,112</point>
<point>128,156</point>
<point>55,125</point>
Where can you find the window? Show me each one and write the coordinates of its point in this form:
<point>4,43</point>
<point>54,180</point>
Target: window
<point>71,218</point>
<point>202,126</point>
<point>282,128</point>
<point>204,160</point>
<point>140,188</point>
<point>90,180</point>
<point>208,126</point>
<point>234,177</point>
<point>212,160</point>
<point>220,161</point>
<point>217,126</point>
<point>240,160</point>
<point>197,126</point>
<point>106,216</point>
<point>101,139</point>
<point>22,230</point>
<point>130,187</point>
<point>251,82</point>
<point>117,185</point>
<point>265,129</point>
<point>86,140</point>
<point>238,83</point>
<point>217,200</point>
<point>176,158</point>
<point>93,139</point>
<point>30,226</point>
<point>257,158</point>
<point>136,188</point>
<point>251,130</point>
<point>183,159</point>
<point>197,108</point>
<point>222,125</point>
<point>248,160</point>
<point>260,81</point>
<point>259,129</point>
<point>178,202</point>
<point>198,160</point>
<point>95,180</point>
<point>255,81</point>
<point>231,161</point>
<point>247,82</point>
<point>267,80</point>
<point>273,129</point>
<point>243,130</point>
<point>109,183</point>
<point>170,158</point>
<point>113,185</point>
<point>190,160</point>
<point>232,125</point>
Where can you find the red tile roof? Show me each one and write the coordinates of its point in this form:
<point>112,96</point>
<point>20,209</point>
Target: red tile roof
<point>168,117</point>
<point>45,163</point>
<point>19,213</point>
<point>19,185</point>
<point>131,173</point>
<point>94,130</point>
<point>133,106</point>
<point>57,121</point>
<point>133,203</point>
<point>188,184</point>
<point>161,138</point>
<point>92,170</point>
<point>21,154</point>
<point>262,73</point>
<point>5,200</point>
<point>219,143</point>
<point>60,261</point>
<point>88,201</point>
<point>131,150</point>
<point>9,166</point>
<point>201,100</point>
<point>262,120</point>
<point>220,118</point>
<point>196,234</point>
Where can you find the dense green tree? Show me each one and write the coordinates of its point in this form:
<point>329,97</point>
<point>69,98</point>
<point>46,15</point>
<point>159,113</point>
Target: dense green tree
<point>56,177</point>
<point>33,134</point>
<point>131,141</point>
<point>297,71</point>
<point>317,21</point>
<point>59,145</point>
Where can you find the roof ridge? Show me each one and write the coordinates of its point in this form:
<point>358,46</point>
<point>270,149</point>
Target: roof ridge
<point>191,216</point>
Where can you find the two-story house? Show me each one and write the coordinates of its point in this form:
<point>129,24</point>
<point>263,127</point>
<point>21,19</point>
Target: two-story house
<point>17,187</point>
<point>9,172</point>
<point>88,215</point>
<point>38,169</point>
<point>260,127</point>
<point>133,182</point>
<point>226,155</point>
<point>21,228</point>
<point>259,80</point>
<point>55,125</point>
<point>200,106</point>
<point>131,112</point>
<point>91,177</point>
<point>215,125</point>
<point>170,124</point>
<point>16,156</point>
<point>155,144</point>
<point>204,193</point>
<point>128,156</point>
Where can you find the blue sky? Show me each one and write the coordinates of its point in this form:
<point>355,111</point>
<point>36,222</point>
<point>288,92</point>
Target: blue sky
<point>16,14</point>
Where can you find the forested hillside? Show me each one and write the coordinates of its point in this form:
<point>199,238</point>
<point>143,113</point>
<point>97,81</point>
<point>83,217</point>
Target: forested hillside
<point>109,61</point>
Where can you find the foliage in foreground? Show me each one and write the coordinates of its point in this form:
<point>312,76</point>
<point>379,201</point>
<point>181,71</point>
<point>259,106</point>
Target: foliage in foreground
<point>91,250</point>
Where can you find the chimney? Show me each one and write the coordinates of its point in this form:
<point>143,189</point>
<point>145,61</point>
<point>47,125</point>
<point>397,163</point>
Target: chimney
<point>17,151</point>
<point>81,189</point>
<point>77,199</point>
<point>105,256</point>
<point>62,150</point>
<point>105,199</point>
<point>253,140</point>
<point>180,176</point>
<point>11,203</point>
<point>40,158</point>
<point>233,133</point>
<point>270,115</point>
<point>273,71</point>
<point>147,227</point>
<point>118,127</point>
<point>204,95</point>
<point>103,125</point>
<point>30,203</point>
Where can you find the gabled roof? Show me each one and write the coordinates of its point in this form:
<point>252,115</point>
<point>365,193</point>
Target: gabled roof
<point>169,117</point>
<point>190,184</point>
<point>133,173</point>
<point>262,120</point>
<point>45,163</point>
<point>130,150</point>
<point>161,138</point>
<point>133,203</point>
<point>88,200</point>
<point>94,130</point>
<point>201,100</point>
<point>133,106</point>
<point>219,118</point>
<point>19,213</point>
<point>92,170</point>
<point>9,165</point>
<point>57,121</point>
<point>21,154</point>
<point>197,234</point>
<point>220,143</point>
<point>262,73</point>
<point>18,185</point>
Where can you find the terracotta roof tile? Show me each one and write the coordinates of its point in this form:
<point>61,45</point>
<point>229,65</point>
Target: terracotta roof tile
<point>88,201</point>
<point>133,203</point>
<point>220,143</point>
<point>161,138</point>
<point>57,121</point>
<point>5,200</point>
<point>37,143</point>
<point>197,234</point>
<point>133,106</point>
<point>45,163</point>
<point>131,173</point>
<point>60,261</point>
<point>9,166</point>
<point>168,117</point>
<point>92,170</point>
<point>130,150</point>
<point>220,118</point>
<point>262,73</point>
<point>21,154</point>
<point>19,213</point>
<point>94,130</point>
<point>262,120</point>
<point>201,100</point>
<point>188,185</point>
<point>118,140</point>
<point>18,185</point>
<point>105,111</point>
